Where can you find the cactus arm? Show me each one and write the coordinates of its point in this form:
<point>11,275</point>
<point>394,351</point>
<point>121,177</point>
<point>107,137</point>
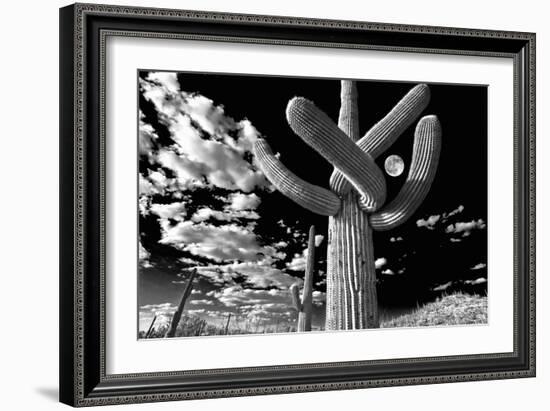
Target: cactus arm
<point>319,132</point>
<point>295,293</point>
<point>314,198</point>
<point>384,133</point>
<point>426,149</point>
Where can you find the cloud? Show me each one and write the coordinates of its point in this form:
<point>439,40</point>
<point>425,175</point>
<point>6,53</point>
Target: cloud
<point>478,266</point>
<point>206,213</point>
<point>263,275</point>
<point>145,186</point>
<point>174,211</point>
<point>258,274</point>
<point>262,305</point>
<point>456,211</point>
<point>442,287</point>
<point>237,296</point>
<point>429,223</point>
<point>319,296</point>
<point>210,117</point>
<point>146,138</point>
<point>380,262</point>
<point>163,312</point>
<point>387,271</point>
<point>396,239</point>
<point>211,148</point>
<point>143,256</point>
<point>318,240</point>
<point>466,227</point>
<point>477,281</point>
<point>298,262</point>
<point>240,201</point>
<point>189,174</point>
<point>201,302</point>
<point>196,311</point>
<point>169,81</point>
<point>221,243</point>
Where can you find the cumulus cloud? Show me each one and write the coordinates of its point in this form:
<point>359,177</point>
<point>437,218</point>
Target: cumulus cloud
<point>259,274</point>
<point>218,158</point>
<point>143,256</point>
<point>206,213</point>
<point>443,287</point>
<point>462,228</point>
<point>466,227</point>
<point>478,266</point>
<point>240,201</point>
<point>387,271</point>
<point>263,275</point>
<point>428,223</point>
<point>174,211</point>
<point>380,262</point>
<point>298,262</point>
<point>201,302</point>
<point>163,313</point>
<point>146,138</point>
<point>169,81</point>
<point>480,280</point>
<point>209,152</point>
<point>196,311</point>
<point>396,239</point>
<point>238,296</point>
<point>221,243</point>
<point>252,304</point>
<point>456,211</point>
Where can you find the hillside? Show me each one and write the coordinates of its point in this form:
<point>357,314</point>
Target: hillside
<point>451,309</point>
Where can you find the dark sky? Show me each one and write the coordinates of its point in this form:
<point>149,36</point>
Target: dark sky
<point>448,252</point>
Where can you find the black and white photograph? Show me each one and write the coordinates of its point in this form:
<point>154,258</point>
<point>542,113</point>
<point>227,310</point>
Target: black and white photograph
<point>284,201</point>
<point>272,204</point>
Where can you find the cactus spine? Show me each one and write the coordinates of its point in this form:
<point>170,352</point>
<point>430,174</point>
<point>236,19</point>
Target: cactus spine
<point>305,305</point>
<point>355,203</point>
<point>177,315</point>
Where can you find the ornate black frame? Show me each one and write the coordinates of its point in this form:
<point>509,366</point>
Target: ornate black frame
<point>83,30</point>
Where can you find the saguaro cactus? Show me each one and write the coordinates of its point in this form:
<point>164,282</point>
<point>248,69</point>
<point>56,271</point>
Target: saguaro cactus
<point>150,330</point>
<point>177,315</point>
<point>226,328</point>
<point>355,201</point>
<point>304,306</point>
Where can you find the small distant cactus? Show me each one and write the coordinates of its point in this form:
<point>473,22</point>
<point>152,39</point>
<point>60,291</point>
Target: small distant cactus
<point>226,328</point>
<point>150,330</point>
<point>355,201</point>
<point>177,315</point>
<point>304,306</point>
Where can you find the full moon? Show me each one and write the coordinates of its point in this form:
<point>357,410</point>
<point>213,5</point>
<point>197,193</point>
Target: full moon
<point>394,165</point>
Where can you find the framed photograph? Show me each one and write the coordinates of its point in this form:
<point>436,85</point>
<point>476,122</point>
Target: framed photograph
<point>260,204</point>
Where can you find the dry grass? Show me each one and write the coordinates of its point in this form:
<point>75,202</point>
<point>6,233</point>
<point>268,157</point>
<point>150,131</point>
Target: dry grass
<point>451,309</point>
<point>192,326</point>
